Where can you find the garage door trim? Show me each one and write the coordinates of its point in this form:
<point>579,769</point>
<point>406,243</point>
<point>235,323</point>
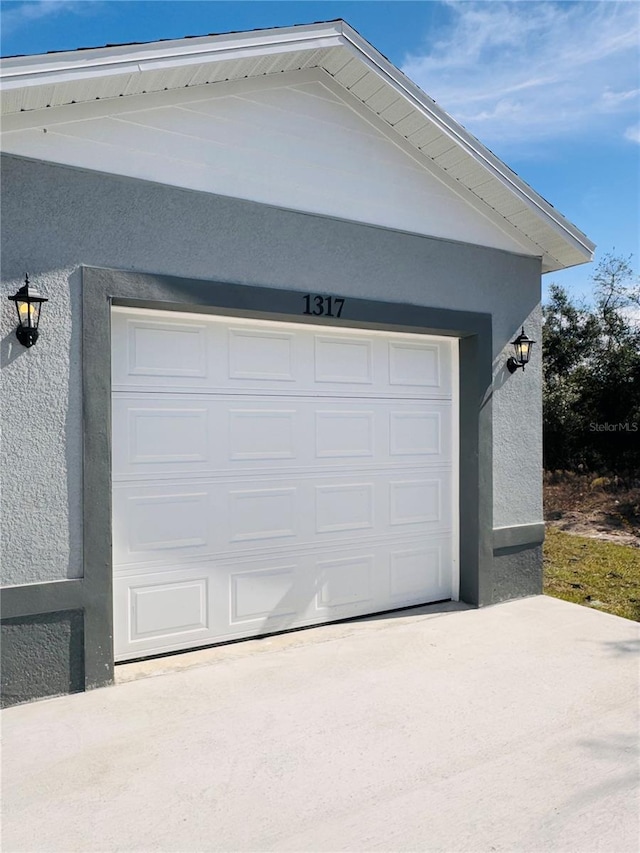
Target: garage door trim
<point>104,287</point>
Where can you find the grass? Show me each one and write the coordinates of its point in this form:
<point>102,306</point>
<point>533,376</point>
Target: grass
<point>592,572</point>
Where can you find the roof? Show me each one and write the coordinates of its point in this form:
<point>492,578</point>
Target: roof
<point>44,81</point>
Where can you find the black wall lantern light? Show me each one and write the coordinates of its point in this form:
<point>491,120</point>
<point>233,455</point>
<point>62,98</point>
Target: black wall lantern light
<point>28,305</point>
<point>522,345</point>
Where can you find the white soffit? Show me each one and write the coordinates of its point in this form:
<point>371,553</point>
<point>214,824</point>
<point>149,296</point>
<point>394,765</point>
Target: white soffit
<point>42,82</point>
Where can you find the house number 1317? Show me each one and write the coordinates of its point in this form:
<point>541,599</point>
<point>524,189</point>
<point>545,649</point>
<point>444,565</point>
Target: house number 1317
<point>323,306</point>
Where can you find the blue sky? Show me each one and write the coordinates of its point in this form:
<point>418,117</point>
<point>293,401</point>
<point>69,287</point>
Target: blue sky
<point>552,88</point>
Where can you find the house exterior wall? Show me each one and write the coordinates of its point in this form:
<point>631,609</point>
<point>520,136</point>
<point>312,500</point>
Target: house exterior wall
<point>56,219</point>
<point>298,141</point>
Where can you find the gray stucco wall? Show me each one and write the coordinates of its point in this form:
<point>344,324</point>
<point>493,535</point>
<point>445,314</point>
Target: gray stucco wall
<point>516,572</point>
<point>41,655</point>
<point>54,219</point>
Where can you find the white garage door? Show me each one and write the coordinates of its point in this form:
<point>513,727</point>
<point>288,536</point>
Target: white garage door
<point>272,475</point>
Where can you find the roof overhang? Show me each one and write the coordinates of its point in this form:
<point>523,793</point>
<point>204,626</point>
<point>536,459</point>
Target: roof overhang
<point>40,82</point>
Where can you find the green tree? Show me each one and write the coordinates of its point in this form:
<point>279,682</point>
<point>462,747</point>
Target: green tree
<point>591,367</point>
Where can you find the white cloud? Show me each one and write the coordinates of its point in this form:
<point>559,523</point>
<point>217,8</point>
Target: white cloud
<point>513,72</point>
<point>21,14</point>
<point>613,100</point>
<point>633,133</point>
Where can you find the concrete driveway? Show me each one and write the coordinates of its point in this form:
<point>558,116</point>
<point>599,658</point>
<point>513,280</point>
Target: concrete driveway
<point>514,727</point>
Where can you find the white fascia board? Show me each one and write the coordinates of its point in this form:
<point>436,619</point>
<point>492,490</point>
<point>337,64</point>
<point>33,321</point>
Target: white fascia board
<point>43,69</point>
<point>467,141</point>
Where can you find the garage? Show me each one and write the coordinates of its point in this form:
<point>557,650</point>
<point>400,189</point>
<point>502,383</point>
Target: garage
<point>273,475</point>
<point>276,380</point>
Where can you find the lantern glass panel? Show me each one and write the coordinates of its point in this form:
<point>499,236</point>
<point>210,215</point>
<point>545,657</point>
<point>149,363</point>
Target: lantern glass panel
<point>28,313</point>
<point>525,351</point>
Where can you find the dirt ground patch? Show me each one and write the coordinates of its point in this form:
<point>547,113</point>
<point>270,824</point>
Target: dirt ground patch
<point>595,507</point>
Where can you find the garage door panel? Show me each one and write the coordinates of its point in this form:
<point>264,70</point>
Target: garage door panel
<point>160,435</point>
<point>344,507</point>
<point>213,601</point>
<point>371,578</point>
<point>167,350</point>
<point>344,582</point>
<point>415,433</point>
<point>269,476</point>
<point>218,355</point>
<point>259,514</point>
<point>168,608</point>
<point>344,433</point>
<point>413,570</point>
<point>417,501</point>
<point>154,610</point>
<point>263,594</point>
<point>152,352</point>
<point>168,434</point>
<point>261,434</point>
<point>343,361</point>
<point>255,354</point>
<point>161,522</point>
<point>165,521</point>
<point>417,365</point>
